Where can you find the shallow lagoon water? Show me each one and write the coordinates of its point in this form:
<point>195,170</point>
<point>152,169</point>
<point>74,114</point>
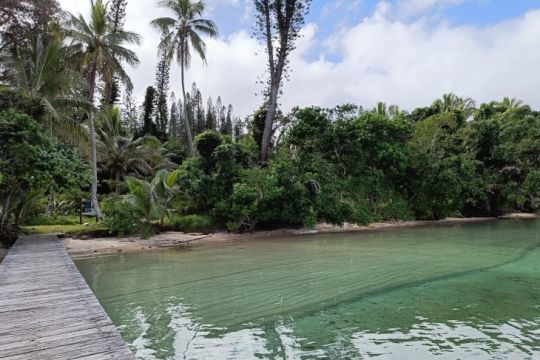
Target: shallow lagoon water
<point>469,291</point>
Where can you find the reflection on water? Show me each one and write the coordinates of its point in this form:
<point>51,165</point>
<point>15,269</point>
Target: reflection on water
<point>464,292</point>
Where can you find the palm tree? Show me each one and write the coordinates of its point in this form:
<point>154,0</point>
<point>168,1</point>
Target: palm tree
<point>181,33</point>
<point>40,73</point>
<point>392,112</point>
<point>102,51</point>
<point>123,155</point>
<point>152,200</point>
<point>380,109</point>
<point>510,104</point>
<point>452,102</point>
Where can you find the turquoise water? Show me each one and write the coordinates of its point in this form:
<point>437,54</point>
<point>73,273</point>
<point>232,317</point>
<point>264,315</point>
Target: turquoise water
<point>468,291</point>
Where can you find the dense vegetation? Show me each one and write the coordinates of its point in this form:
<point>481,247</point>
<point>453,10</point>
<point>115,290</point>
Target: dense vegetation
<point>340,165</point>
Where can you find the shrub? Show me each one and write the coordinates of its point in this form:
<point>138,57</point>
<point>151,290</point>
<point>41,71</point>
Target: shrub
<point>192,223</point>
<point>120,216</point>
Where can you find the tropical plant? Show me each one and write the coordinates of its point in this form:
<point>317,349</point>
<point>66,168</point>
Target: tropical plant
<point>152,200</point>
<point>391,112</point>
<point>121,154</point>
<point>29,161</point>
<point>101,50</point>
<point>180,34</point>
<point>40,72</point>
<point>452,102</point>
<point>511,103</point>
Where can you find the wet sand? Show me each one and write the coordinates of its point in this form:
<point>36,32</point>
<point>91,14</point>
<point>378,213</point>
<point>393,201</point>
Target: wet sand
<point>79,248</point>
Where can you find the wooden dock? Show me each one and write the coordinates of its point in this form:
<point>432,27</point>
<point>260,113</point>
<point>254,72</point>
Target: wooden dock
<point>47,311</point>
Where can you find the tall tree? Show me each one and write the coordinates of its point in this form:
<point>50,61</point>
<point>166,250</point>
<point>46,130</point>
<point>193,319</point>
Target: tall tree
<point>210,115</point>
<point>162,92</point>
<point>129,112</point>
<point>40,72</point>
<point>20,21</point>
<point>220,113</point>
<point>121,154</point>
<point>278,25</point>
<point>148,110</point>
<point>510,104</point>
<point>182,33</point>
<point>117,18</point>
<point>118,14</point>
<point>227,126</point>
<point>101,49</point>
<point>174,118</point>
<point>199,120</point>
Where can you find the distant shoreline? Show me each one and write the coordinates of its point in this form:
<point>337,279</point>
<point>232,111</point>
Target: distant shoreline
<point>78,248</point>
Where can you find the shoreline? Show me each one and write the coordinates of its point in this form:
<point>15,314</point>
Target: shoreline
<point>79,249</point>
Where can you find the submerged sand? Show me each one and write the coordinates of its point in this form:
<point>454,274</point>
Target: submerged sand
<point>79,248</point>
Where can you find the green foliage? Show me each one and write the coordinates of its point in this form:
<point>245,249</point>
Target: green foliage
<point>11,99</point>
<point>120,216</point>
<point>192,223</point>
<point>29,162</point>
<point>52,220</point>
<point>86,230</point>
<point>206,143</point>
<point>151,201</point>
<point>257,126</point>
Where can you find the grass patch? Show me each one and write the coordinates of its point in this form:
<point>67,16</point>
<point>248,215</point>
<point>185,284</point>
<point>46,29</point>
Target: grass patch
<point>77,231</point>
<point>53,220</point>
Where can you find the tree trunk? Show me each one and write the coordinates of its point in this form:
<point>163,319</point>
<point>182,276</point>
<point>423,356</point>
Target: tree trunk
<point>269,123</point>
<point>186,117</point>
<point>6,209</point>
<point>51,204</point>
<point>91,89</point>
<point>117,183</point>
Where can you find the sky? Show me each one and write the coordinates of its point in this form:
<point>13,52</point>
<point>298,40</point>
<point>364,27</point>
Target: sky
<point>403,52</point>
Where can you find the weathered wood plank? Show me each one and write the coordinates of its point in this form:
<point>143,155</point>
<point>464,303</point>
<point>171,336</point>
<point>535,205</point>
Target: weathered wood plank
<point>47,310</point>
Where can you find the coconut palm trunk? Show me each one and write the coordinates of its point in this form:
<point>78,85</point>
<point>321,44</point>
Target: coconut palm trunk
<point>179,34</point>
<point>91,90</point>
<point>186,116</point>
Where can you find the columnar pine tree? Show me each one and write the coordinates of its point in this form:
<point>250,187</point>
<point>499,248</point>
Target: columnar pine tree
<point>148,111</point>
<point>210,115</point>
<point>118,14</point>
<point>227,127</point>
<point>162,92</point>
<point>200,119</point>
<point>238,128</point>
<point>221,116</point>
<point>117,19</point>
<point>129,112</point>
<point>174,118</point>
<point>278,26</point>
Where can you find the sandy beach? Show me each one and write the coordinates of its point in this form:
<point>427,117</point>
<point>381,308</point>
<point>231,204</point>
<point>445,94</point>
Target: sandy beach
<point>79,248</point>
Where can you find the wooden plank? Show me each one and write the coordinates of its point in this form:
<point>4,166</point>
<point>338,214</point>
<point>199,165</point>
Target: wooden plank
<point>47,310</point>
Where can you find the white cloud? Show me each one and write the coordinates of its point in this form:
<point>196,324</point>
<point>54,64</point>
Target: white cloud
<point>409,8</point>
<point>408,63</point>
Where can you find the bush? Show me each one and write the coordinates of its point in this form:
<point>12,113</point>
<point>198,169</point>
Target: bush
<point>192,223</point>
<point>120,216</point>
